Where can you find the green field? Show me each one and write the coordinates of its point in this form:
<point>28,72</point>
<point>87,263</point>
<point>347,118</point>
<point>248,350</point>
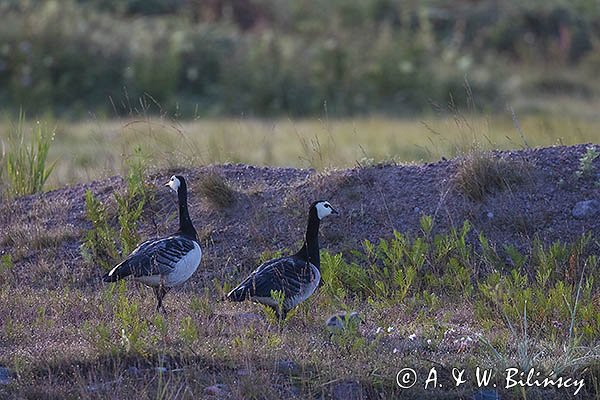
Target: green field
<point>95,149</point>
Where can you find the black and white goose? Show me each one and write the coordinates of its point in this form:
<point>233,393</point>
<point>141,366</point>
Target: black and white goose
<point>163,263</point>
<point>297,276</point>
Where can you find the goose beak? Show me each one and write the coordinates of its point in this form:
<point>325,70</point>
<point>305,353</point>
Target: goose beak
<point>334,211</point>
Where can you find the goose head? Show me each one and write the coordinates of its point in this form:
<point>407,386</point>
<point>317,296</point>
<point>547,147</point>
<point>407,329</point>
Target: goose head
<point>176,182</point>
<point>323,209</point>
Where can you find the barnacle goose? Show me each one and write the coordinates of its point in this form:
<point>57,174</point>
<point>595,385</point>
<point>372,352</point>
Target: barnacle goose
<point>164,262</point>
<point>297,276</point>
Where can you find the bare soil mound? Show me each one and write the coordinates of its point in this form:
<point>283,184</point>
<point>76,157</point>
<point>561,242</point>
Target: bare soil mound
<point>43,233</point>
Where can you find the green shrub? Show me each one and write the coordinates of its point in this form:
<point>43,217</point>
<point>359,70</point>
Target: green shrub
<point>560,290</point>
<point>188,330</point>
<point>133,328</point>
<point>355,57</point>
<point>586,163</point>
<point>99,246</point>
<point>402,266</point>
<point>555,282</point>
<point>103,245</point>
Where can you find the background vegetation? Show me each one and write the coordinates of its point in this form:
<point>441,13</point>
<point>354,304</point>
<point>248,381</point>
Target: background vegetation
<point>293,58</point>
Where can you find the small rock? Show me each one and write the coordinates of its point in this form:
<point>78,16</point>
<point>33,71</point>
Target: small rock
<point>218,389</point>
<point>349,390</point>
<point>343,320</point>
<point>287,367</point>
<point>586,209</point>
<point>4,376</point>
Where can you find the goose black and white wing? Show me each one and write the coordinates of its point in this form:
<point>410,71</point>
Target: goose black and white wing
<point>155,258</point>
<point>295,277</point>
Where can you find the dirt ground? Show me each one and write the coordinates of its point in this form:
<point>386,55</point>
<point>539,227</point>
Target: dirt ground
<point>269,212</point>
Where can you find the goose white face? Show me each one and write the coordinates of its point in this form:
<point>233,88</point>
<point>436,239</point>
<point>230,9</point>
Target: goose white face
<point>174,183</point>
<point>324,209</point>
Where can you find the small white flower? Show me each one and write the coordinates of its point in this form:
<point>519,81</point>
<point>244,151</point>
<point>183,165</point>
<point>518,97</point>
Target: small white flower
<point>395,350</point>
<point>412,337</point>
<point>390,329</point>
<point>379,330</point>
<point>428,341</point>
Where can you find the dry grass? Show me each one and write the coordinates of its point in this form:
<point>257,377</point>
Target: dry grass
<point>217,192</point>
<point>480,173</point>
<point>57,343</point>
<point>70,344</point>
<point>299,143</point>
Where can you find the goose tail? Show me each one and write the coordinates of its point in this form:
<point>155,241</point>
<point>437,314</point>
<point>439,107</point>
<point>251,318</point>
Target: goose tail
<point>119,272</point>
<point>237,294</point>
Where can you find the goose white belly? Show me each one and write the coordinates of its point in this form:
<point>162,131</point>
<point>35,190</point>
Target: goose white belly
<point>181,271</point>
<point>308,290</point>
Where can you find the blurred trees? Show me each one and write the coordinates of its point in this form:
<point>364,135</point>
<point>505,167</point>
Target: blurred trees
<point>279,57</point>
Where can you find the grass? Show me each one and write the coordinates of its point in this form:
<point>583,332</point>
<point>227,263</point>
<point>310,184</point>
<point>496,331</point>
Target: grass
<point>26,163</point>
<point>480,173</point>
<point>215,189</point>
<point>422,297</point>
<point>299,143</point>
<point>103,245</point>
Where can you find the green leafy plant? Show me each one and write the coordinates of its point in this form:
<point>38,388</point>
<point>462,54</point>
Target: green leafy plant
<point>26,163</point>
<point>395,268</point>
<point>188,330</point>
<point>349,337</point>
<point>99,246</point>
<point>586,163</point>
<point>528,346</point>
<point>103,244</point>
<point>553,294</point>
<point>132,327</point>
<point>127,333</point>
<point>6,263</point>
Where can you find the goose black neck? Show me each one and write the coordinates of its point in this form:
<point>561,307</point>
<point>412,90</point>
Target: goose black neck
<point>185,223</point>
<point>310,249</point>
